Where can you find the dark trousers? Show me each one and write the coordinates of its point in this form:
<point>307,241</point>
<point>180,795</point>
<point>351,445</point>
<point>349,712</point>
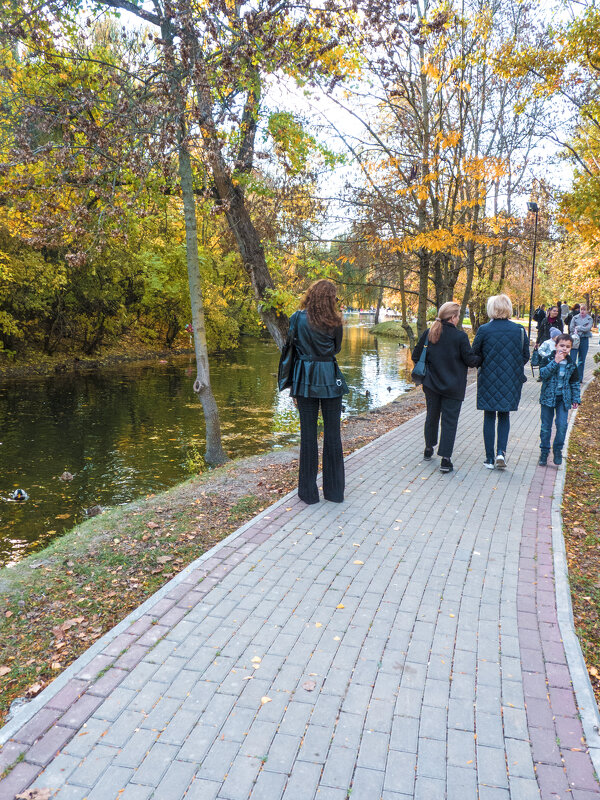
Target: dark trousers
<point>489,432</point>
<point>448,408</point>
<point>333,455</point>
<point>562,420</point>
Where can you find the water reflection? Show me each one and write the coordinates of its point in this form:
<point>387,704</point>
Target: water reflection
<point>128,431</point>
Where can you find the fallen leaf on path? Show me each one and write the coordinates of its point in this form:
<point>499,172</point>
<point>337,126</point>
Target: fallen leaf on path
<point>318,624</point>
<point>359,562</point>
<point>36,794</point>
<point>256,660</point>
<point>264,700</point>
<point>309,685</point>
<point>340,605</point>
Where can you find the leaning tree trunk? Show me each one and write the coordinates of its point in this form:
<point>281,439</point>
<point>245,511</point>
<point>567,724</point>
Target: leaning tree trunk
<point>214,446</point>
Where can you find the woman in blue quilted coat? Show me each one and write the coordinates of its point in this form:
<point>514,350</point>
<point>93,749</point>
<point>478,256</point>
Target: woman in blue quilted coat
<point>504,350</point>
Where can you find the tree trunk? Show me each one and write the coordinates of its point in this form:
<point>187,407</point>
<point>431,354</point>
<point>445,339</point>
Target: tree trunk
<point>214,446</point>
<point>379,301</point>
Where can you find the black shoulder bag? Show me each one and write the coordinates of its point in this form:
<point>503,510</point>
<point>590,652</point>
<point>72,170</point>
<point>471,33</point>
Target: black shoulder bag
<point>420,368</point>
<point>287,360</point>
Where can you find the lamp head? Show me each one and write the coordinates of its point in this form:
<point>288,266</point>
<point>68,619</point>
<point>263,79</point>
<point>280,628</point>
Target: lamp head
<point>532,207</point>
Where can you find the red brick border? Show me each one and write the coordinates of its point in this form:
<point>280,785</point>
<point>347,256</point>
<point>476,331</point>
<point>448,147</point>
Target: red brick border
<point>41,738</point>
<point>561,759</point>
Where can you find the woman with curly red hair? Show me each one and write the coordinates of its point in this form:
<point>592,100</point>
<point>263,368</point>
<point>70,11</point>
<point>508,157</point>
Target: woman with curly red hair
<point>318,382</point>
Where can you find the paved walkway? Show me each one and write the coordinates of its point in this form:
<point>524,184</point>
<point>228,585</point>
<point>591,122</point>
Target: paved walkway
<point>403,644</point>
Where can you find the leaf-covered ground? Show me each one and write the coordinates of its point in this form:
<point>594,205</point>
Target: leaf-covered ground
<point>581,526</point>
<point>56,603</point>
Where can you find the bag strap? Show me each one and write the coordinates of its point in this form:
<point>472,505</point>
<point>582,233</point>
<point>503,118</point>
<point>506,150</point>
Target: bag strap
<point>424,350</point>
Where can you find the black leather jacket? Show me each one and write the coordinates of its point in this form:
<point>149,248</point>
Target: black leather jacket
<point>316,372</point>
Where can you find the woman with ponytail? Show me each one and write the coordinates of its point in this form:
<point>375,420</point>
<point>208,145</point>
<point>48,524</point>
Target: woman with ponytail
<point>449,355</point>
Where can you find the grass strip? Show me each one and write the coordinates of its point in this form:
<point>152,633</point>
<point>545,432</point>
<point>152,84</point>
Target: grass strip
<point>581,528</point>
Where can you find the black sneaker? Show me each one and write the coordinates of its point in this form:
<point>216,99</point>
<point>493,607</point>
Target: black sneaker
<point>500,462</point>
<point>557,458</point>
<point>543,462</point>
<point>427,453</point>
<point>446,465</point>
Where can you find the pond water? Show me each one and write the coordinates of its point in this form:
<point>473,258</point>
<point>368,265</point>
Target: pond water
<point>136,429</point>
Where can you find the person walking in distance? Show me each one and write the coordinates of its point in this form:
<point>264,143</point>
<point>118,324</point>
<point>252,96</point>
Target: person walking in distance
<point>449,355</point>
<point>564,310</point>
<point>559,392</point>
<point>581,325</point>
<point>504,350</point>
<point>318,383</point>
<point>539,314</point>
<point>551,320</point>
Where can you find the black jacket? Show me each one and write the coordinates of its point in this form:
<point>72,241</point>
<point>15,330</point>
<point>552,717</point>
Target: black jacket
<point>544,328</point>
<point>447,362</point>
<point>316,372</point>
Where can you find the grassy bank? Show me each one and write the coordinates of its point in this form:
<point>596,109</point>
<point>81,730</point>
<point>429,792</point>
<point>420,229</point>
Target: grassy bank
<point>392,328</point>
<point>56,603</point>
<point>581,515</point>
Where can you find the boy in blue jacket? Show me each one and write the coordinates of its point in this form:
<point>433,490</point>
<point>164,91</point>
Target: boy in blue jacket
<point>560,391</point>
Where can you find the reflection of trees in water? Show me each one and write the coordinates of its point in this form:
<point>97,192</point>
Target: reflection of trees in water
<point>126,432</point>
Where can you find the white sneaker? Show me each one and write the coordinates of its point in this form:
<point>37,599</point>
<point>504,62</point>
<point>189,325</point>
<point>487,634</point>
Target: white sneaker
<point>500,461</point>
<point>489,464</point>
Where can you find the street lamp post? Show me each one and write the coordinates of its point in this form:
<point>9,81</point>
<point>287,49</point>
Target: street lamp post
<point>532,207</point>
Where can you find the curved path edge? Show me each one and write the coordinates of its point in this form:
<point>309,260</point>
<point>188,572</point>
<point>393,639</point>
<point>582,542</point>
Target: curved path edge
<point>586,700</point>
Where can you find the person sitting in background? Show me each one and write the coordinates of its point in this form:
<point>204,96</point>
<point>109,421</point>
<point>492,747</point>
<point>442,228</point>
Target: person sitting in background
<point>549,346</point>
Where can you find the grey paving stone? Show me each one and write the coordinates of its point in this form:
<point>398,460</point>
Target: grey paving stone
<point>240,778</point>
<point>269,785</point>
<point>400,772</point>
<point>431,758</point>
<point>198,743</point>
<point>111,783</point>
<point>92,767</point>
<point>136,748</point>
<point>203,789</point>
<point>71,793</point>
<point>155,764</point>
<point>282,753</point>
<point>218,760</point>
<point>367,783</point>
<point>491,766</point>
<point>429,789</point>
<point>176,780</point>
<point>339,767</point>
<point>461,782</point>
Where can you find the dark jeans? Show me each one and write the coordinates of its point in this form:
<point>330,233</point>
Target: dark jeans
<point>448,408</point>
<point>580,354</point>
<point>562,418</point>
<point>333,455</point>
<point>489,432</point>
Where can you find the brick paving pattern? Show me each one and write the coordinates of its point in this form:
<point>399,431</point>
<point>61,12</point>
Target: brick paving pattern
<point>403,644</point>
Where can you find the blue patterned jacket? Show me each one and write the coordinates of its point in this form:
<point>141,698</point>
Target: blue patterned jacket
<point>549,371</point>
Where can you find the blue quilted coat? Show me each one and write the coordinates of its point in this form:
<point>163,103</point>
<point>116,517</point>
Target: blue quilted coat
<point>504,350</point>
